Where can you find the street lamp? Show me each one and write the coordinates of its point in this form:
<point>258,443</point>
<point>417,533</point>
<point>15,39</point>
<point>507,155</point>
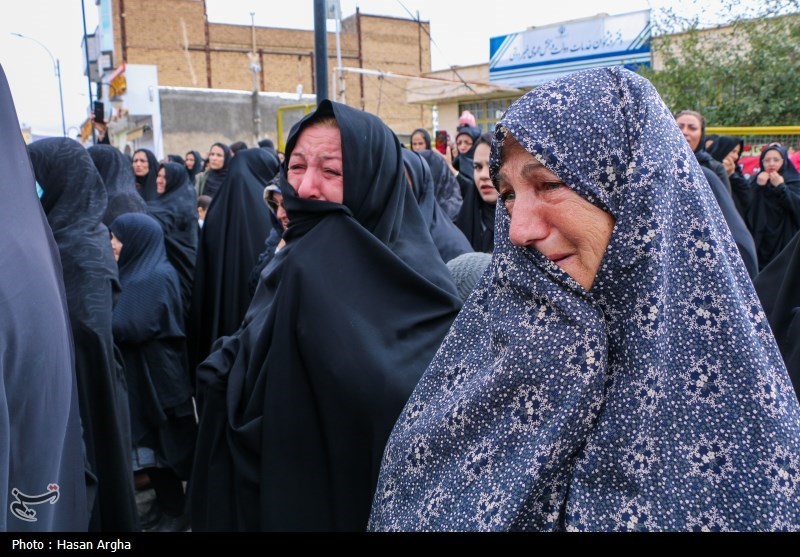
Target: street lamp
<point>57,66</point>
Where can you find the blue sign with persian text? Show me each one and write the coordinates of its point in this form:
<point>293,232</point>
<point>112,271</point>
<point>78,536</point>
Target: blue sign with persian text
<point>532,57</point>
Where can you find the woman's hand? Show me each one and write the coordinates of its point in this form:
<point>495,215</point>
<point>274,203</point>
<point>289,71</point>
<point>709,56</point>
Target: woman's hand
<point>448,157</point>
<point>775,179</point>
<point>762,178</point>
<point>729,163</point>
<point>101,128</point>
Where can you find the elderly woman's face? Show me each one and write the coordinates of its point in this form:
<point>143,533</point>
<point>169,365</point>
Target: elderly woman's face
<point>140,165</point>
<point>691,128</point>
<point>418,142</point>
<point>551,218</point>
<point>315,165</point>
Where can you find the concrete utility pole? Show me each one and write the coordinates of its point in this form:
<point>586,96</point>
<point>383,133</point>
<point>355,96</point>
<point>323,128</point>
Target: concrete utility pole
<point>320,51</point>
<point>255,67</point>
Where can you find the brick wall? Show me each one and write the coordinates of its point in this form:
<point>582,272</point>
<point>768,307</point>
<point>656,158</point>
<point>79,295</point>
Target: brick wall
<point>172,35</point>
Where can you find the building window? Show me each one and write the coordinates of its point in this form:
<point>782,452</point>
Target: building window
<point>487,113</point>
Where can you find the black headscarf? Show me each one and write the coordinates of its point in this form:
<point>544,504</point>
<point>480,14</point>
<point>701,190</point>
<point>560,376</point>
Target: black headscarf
<point>120,182</point>
<point>740,188</point>
<point>148,325</point>
<point>296,407</point>
<point>449,240</point>
<point>778,287</point>
<point>40,429</point>
<point>723,145</point>
<point>476,220</point>
<point>198,165</point>
<point>475,133</point>
<point>146,185</point>
<point>774,213</point>
<point>216,178</point>
<point>176,210</point>
<point>425,135</point>
<point>175,158</point>
<point>74,200</point>
<point>235,227</point>
<point>466,174</point>
<point>445,184</point>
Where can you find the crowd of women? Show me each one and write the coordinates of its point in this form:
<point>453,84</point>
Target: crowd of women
<point>553,327</point>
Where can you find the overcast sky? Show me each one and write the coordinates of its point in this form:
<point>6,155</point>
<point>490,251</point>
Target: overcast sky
<point>461,31</point>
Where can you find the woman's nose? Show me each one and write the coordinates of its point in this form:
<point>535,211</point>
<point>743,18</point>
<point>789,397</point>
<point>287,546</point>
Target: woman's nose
<point>527,223</point>
<point>309,185</point>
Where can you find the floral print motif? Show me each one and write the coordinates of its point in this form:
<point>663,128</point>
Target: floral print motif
<point>639,457</point>
<point>418,455</point>
<point>710,459</point>
<point>703,311</point>
<point>649,389</point>
<point>783,471</point>
<point>646,237</point>
<point>701,245</point>
<point>585,359</point>
<point>634,517</point>
<point>478,460</point>
<point>704,381</point>
<point>528,409</point>
<point>707,521</point>
<point>490,510</point>
<point>649,313</point>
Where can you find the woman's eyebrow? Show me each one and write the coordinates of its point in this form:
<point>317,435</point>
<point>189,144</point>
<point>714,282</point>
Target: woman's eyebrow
<point>531,169</point>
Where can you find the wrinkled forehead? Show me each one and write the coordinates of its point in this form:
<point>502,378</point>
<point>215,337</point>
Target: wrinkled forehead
<point>325,128</point>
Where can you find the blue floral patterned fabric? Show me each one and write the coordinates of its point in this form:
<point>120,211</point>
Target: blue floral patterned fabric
<point>656,401</point>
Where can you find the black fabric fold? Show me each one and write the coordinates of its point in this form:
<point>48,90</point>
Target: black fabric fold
<point>40,429</point>
<point>449,240</point>
<point>232,238</point>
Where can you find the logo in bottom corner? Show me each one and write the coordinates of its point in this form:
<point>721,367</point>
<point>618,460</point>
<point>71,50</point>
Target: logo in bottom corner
<point>21,508</point>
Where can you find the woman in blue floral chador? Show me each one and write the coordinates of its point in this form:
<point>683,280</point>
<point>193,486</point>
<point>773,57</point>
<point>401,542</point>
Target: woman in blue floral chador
<point>613,369</point>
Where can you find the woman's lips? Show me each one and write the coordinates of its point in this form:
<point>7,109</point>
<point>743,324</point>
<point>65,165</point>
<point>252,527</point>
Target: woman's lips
<point>560,258</point>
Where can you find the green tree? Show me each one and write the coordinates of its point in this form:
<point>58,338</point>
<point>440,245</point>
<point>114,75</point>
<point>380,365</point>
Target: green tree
<point>745,72</point>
